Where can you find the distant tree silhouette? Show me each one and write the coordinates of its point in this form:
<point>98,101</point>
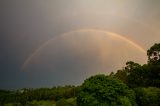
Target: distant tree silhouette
<point>154,54</point>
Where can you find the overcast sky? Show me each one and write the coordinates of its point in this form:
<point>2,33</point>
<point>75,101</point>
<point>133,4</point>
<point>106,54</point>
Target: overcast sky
<point>45,43</point>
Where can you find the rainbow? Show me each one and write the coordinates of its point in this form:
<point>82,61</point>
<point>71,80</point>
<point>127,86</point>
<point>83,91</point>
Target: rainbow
<point>108,33</point>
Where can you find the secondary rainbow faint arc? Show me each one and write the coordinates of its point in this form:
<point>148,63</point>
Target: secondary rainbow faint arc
<point>108,33</point>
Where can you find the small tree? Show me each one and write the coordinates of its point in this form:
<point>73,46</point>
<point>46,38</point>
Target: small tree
<point>101,90</point>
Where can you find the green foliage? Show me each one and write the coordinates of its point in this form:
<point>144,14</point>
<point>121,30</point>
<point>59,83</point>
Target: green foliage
<point>101,90</point>
<point>148,96</point>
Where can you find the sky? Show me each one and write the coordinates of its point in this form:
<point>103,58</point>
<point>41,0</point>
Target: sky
<point>45,43</point>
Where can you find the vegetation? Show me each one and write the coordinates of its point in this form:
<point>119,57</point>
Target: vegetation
<point>134,85</point>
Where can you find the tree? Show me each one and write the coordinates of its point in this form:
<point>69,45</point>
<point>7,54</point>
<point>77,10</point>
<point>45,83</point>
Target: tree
<point>101,90</point>
<point>154,54</point>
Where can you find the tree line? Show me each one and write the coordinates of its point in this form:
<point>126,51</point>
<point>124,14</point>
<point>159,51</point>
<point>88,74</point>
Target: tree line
<point>25,96</point>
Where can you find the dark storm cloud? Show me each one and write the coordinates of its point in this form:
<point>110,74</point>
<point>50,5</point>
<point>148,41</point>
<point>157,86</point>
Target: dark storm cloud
<point>27,24</point>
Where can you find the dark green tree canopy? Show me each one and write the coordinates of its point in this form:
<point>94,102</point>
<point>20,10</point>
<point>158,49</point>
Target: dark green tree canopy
<point>101,90</point>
